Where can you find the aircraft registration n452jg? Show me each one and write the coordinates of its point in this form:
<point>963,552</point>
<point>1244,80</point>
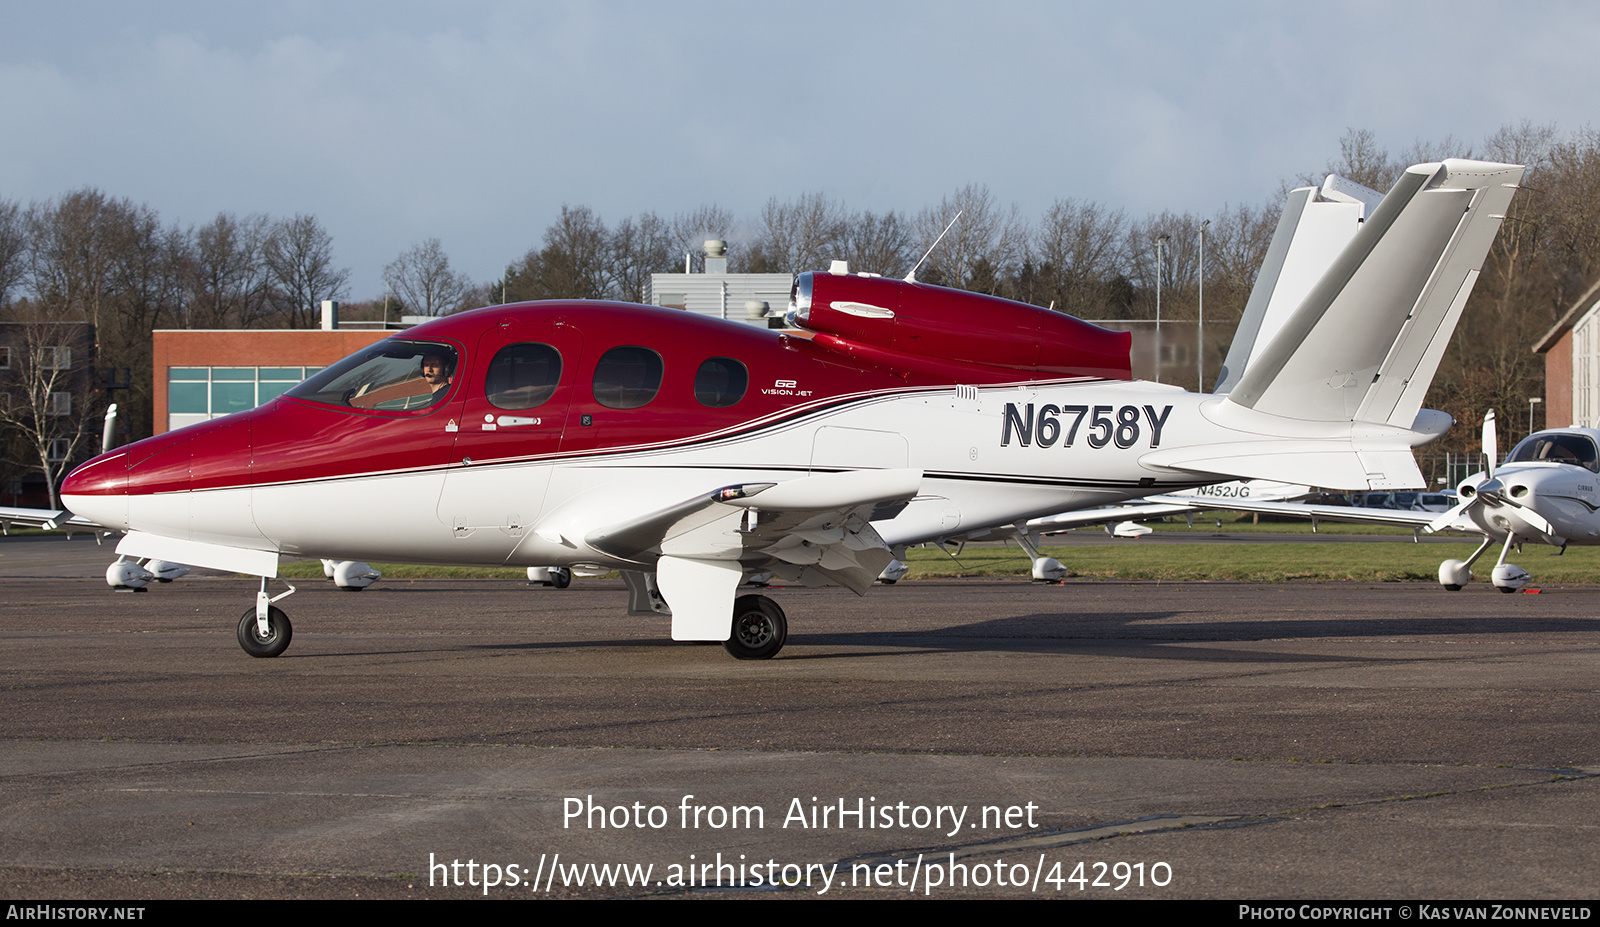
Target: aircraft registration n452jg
<point>690,453</point>
<point>1547,491</point>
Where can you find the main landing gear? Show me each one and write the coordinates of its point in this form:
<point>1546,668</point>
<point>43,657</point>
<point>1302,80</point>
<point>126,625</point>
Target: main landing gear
<point>559,577</point>
<point>759,628</point>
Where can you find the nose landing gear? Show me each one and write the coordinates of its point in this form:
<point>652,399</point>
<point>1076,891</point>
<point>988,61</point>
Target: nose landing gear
<point>264,631</point>
<point>1508,577</point>
<point>269,643</point>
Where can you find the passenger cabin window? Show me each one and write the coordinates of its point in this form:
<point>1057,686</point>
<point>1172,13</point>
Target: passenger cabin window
<point>522,376</point>
<point>720,382</point>
<point>389,376</point>
<point>627,377</point>
<point>1557,448</point>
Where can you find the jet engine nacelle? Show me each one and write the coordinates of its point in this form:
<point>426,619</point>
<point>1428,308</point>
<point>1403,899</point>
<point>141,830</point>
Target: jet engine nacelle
<point>896,323</point>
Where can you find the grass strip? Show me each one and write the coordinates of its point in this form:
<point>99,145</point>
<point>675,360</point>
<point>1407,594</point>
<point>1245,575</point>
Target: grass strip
<point>1213,560</point>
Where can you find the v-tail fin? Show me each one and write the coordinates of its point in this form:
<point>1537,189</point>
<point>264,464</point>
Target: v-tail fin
<point>1365,342</point>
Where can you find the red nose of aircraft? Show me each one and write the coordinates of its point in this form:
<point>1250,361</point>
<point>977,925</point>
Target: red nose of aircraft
<point>211,454</point>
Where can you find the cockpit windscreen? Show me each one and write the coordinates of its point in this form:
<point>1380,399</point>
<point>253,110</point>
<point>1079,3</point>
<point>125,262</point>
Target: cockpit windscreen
<point>1574,449</point>
<point>389,376</point>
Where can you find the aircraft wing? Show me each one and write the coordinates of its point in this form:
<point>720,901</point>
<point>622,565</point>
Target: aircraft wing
<point>1179,503</point>
<point>1110,513</point>
<point>48,519</point>
<point>1351,513</point>
<point>814,530</point>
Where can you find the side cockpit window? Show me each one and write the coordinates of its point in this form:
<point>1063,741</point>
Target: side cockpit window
<point>389,376</point>
<point>720,382</point>
<point>627,377</point>
<point>1577,450</point>
<point>522,376</point>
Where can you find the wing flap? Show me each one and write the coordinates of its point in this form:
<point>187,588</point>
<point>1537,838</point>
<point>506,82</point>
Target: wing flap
<point>815,529</point>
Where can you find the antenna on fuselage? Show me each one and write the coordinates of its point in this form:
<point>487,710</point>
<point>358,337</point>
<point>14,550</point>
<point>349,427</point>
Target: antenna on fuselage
<point>911,277</point>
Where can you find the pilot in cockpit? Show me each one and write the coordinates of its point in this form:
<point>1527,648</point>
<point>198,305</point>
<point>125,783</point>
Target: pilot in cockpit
<point>436,371</point>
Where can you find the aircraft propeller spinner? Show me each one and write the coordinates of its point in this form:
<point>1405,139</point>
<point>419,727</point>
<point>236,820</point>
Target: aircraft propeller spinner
<point>1489,491</point>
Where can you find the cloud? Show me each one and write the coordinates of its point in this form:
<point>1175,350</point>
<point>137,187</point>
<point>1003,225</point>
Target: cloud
<point>475,122</point>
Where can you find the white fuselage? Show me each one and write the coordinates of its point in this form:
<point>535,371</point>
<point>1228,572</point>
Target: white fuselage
<point>989,456</point>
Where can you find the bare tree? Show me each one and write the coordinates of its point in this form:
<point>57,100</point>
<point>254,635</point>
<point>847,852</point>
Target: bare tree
<point>987,243</point>
<point>1525,143</point>
<point>74,251</point>
<point>1178,265</point>
<point>1422,151</point>
<point>1570,211</point>
<point>638,249</point>
<point>691,230</point>
<point>573,264</point>
<point>879,244</point>
<point>13,249</point>
<point>1079,248</point>
<point>574,258</point>
<point>148,282</point>
<point>796,235</point>
<point>299,260</point>
<point>1532,271</point>
<point>229,284</point>
<point>1236,244</point>
<point>46,395</point>
<point>1361,160</point>
<point>421,277</point>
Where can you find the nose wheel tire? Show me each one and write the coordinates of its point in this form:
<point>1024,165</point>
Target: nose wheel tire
<point>759,628</point>
<point>274,642</point>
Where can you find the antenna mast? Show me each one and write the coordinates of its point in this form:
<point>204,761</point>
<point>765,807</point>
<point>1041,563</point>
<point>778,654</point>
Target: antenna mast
<point>912,276</point>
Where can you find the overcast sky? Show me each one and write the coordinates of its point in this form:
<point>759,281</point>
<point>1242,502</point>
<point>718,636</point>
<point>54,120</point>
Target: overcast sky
<point>473,122</point>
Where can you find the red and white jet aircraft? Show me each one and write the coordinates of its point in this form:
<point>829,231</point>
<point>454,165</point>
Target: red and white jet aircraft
<point>689,453</point>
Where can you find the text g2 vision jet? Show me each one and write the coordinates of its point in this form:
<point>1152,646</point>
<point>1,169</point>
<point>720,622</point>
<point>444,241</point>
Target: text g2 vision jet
<point>690,453</point>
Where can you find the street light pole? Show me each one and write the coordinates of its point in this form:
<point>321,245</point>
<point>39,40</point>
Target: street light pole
<point>1532,400</point>
<point>1200,331</point>
<point>1161,243</point>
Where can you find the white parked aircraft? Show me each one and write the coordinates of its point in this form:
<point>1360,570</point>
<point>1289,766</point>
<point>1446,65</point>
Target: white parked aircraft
<point>691,453</point>
<point>1119,520</point>
<point>1545,492</point>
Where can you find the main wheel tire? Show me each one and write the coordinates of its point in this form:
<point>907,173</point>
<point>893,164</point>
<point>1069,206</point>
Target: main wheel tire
<point>759,628</point>
<point>276,641</point>
<point>560,577</point>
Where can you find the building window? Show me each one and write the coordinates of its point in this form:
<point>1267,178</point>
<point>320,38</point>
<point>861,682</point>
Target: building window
<point>5,358</point>
<point>59,404</point>
<point>58,357</point>
<point>59,449</point>
<point>198,394</point>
